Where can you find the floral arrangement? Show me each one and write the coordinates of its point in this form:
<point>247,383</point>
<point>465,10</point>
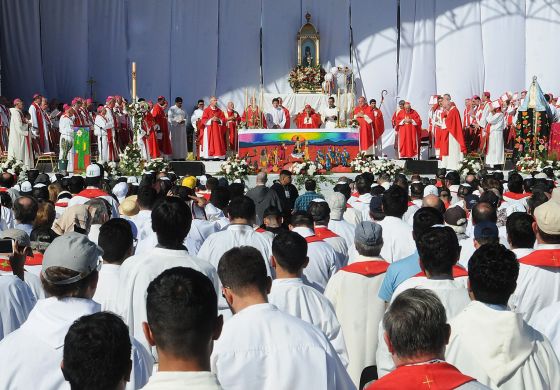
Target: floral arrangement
<point>131,163</point>
<point>308,169</point>
<point>353,123</point>
<point>362,163</point>
<point>236,167</point>
<point>15,167</point>
<point>156,165</point>
<point>306,77</point>
<point>111,168</point>
<point>136,110</point>
<point>385,166</point>
<point>528,164</point>
<point>469,166</point>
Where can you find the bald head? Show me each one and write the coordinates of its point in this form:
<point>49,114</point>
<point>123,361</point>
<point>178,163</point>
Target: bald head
<point>262,178</point>
<point>433,202</point>
<point>484,212</point>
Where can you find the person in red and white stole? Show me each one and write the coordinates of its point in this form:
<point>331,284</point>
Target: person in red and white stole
<point>232,123</point>
<point>40,128</point>
<point>288,124</point>
<point>66,129</point>
<point>158,112</point>
<point>436,123</point>
<point>308,119</point>
<point>212,136</point>
<point>394,124</point>
<point>409,127</point>
<point>19,145</point>
<point>364,115</point>
<point>112,153</point>
<point>378,127</point>
<point>453,145</point>
<point>416,333</point>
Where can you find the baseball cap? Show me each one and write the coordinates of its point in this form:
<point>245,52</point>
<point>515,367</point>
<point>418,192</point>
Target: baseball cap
<point>431,190</point>
<point>471,201</point>
<point>368,233</point>
<point>375,204</point>
<point>93,170</point>
<point>189,181</point>
<point>26,188</point>
<point>72,251</point>
<point>337,204</point>
<point>19,236</point>
<point>547,214</point>
<point>485,229</point>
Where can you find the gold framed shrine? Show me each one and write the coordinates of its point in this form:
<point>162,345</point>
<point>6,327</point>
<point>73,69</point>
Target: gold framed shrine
<point>308,53</point>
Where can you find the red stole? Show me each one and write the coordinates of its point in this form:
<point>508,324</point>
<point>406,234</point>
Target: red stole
<point>515,196</point>
<point>409,134</point>
<point>112,155</point>
<point>215,132</point>
<point>457,271</point>
<point>367,268</point>
<point>36,259</point>
<point>40,126</point>
<point>260,230</point>
<point>323,232</point>
<point>430,376</point>
<point>151,138</point>
<point>5,265</point>
<point>287,115</point>
<point>312,239</point>
<point>315,121</point>
<point>542,258</point>
<point>91,193</point>
<point>453,124</point>
<point>378,124</point>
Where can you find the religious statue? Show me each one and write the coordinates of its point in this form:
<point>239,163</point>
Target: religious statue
<point>308,44</point>
<point>308,60</point>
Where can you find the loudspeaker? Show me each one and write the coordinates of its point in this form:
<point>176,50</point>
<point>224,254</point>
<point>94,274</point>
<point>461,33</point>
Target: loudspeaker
<point>188,168</point>
<point>421,167</point>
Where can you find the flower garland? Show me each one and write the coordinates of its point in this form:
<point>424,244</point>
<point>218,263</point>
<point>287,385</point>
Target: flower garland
<point>308,169</point>
<point>235,168</point>
<point>469,166</point>
<point>306,77</point>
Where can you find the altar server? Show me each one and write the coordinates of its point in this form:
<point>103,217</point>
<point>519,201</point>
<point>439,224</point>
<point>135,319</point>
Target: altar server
<point>330,115</point>
<point>66,129</point>
<point>40,128</point>
<point>408,127</point>
<point>171,222</point>
<point>492,344</point>
<point>452,144</point>
<point>100,130</point>
<point>538,284</point>
<point>212,135</point>
<point>260,346</point>
<point>178,129</point>
<point>364,115</point>
<point>158,112</point>
<point>355,286</point>
<point>276,119</point>
<point>320,212</point>
<point>495,153</point>
<point>113,152</point>
<point>287,125</point>
<point>308,119</point>
<point>19,146</point>
<point>324,261</point>
<point>31,355</point>
<point>416,332</point>
<point>378,127</point>
<point>292,296</point>
<point>93,189</point>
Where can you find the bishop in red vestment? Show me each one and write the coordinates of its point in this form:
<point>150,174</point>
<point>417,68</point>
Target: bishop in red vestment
<point>378,122</point>
<point>160,118</point>
<point>150,137</point>
<point>286,113</point>
<point>409,127</point>
<point>212,137</point>
<point>308,119</point>
<point>232,123</point>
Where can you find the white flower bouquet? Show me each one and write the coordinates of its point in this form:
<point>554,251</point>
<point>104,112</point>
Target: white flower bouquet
<point>469,166</point>
<point>236,167</point>
<point>528,164</point>
<point>131,163</point>
<point>16,168</point>
<point>385,166</point>
<point>308,169</point>
<point>362,163</point>
<point>156,165</point>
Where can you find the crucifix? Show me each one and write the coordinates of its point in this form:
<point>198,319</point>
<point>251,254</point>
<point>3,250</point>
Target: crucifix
<point>91,82</point>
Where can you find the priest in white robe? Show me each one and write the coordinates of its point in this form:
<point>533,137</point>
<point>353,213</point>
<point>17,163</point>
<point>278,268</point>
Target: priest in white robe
<point>276,118</point>
<point>263,348</point>
<point>495,154</point>
<point>16,302</point>
<point>356,286</point>
<point>19,144</point>
<point>320,212</point>
<point>330,115</point>
<point>493,344</point>
<point>66,129</point>
<point>178,129</point>
<point>453,149</point>
<point>100,131</point>
<point>292,296</point>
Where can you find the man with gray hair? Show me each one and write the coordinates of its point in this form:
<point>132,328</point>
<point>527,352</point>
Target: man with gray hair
<point>264,197</point>
<point>416,333</point>
<point>357,286</point>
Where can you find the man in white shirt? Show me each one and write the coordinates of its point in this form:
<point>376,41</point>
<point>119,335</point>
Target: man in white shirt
<point>353,293</point>
<point>100,130</point>
<point>115,238</point>
<point>320,212</point>
<point>276,119</point>
<point>32,354</point>
<point>182,323</point>
<point>397,234</point>
<point>324,261</point>
<point>362,201</point>
<point>538,284</point>
<point>178,129</point>
<point>171,222</point>
<point>491,343</point>
<point>240,232</point>
<point>330,115</point>
<point>97,353</point>
<point>337,223</point>
<point>146,199</point>
<point>292,296</point>
<point>94,176</point>
<point>197,114</point>
<point>260,346</point>
<point>520,234</point>
<point>16,302</point>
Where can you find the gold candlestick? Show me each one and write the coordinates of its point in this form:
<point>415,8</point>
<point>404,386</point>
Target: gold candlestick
<point>134,81</point>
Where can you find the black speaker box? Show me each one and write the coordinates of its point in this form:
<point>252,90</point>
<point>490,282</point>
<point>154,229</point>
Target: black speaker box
<point>422,167</point>
<point>188,168</point>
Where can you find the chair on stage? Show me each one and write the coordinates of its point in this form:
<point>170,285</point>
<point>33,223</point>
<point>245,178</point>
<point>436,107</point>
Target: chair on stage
<point>47,158</point>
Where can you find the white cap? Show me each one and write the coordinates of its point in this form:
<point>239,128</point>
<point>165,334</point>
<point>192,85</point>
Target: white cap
<point>202,179</point>
<point>120,190</point>
<point>39,185</point>
<point>26,187</point>
<point>93,170</point>
<point>431,190</point>
<point>132,180</point>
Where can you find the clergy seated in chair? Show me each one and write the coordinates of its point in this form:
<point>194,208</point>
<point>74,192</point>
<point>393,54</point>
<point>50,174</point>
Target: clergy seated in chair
<point>493,344</point>
<point>416,333</point>
<point>308,119</point>
<point>357,286</point>
<point>262,347</point>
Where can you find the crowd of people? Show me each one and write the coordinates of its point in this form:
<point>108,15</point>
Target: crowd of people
<point>193,282</point>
